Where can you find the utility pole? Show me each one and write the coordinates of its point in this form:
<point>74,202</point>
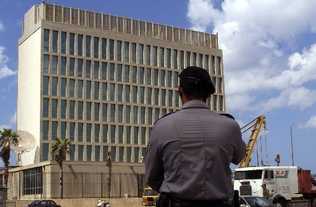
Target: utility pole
<point>292,150</point>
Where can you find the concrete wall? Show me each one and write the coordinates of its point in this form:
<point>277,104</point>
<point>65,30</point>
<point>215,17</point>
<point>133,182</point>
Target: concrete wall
<point>81,180</point>
<point>32,19</point>
<point>90,179</point>
<point>14,186</point>
<point>29,88</point>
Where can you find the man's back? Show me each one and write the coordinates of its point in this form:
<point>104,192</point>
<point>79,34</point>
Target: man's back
<point>196,148</point>
<point>190,151</point>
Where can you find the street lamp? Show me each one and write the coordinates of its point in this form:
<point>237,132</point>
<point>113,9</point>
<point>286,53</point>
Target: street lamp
<point>292,150</point>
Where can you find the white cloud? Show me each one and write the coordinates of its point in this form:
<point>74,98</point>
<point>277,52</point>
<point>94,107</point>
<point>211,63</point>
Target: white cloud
<point>240,102</point>
<point>1,27</point>
<point>301,69</point>
<point>311,123</point>
<point>280,19</point>
<point>201,13</point>
<point>3,58</point>
<point>256,37</point>
<point>300,98</point>
<point>5,71</point>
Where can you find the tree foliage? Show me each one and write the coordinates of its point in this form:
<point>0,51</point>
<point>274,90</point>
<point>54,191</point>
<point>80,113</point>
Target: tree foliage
<point>60,149</point>
<point>7,138</point>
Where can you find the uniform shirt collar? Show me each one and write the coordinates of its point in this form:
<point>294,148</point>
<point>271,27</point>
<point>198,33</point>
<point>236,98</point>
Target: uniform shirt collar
<point>195,103</point>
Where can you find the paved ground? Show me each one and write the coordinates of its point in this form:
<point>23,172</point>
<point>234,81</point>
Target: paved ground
<point>301,204</point>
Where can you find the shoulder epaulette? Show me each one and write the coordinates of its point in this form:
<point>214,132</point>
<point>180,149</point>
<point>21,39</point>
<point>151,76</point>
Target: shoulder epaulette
<point>167,114</point>
<point>227,115</point>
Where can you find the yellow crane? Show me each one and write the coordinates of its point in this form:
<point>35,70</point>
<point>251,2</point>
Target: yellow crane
<point>256,125</point>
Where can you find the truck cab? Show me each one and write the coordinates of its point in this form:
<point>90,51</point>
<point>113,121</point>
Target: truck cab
<point>273,182</point>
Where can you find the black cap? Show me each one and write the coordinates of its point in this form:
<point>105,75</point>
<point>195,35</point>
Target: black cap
<point>197,76</point>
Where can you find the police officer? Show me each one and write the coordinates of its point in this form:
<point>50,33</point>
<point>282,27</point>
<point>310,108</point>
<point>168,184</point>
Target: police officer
<point>190,151</point>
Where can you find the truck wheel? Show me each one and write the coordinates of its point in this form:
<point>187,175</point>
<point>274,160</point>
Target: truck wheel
<point>280,202</point>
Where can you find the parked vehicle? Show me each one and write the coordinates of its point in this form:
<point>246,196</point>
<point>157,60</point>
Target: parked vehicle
<point>43,203</point>
<point>150,197</point>
<point>281,184</point>
<point>254,201</point>
<point>103,203</point>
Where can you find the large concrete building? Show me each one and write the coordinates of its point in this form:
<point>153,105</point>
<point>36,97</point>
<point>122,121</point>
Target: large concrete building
<point>103,80</point>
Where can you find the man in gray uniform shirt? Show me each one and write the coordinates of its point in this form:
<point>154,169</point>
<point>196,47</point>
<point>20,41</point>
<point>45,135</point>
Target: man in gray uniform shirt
<point>190,151</point>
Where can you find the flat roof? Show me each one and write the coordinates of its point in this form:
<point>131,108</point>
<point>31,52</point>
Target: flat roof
<point>265,167</point>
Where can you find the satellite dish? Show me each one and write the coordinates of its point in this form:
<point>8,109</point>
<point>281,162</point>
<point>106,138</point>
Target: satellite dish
<point>26,142</point>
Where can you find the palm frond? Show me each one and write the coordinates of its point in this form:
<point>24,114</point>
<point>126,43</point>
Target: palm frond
<point>60,149</point>
<point>7,137</point>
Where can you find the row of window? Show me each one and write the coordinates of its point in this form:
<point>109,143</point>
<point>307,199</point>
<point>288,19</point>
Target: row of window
<point>117,73</point>
<point>78,68</point>
<point>87,69</point>
<point>100,153</point>
<point>100,21</point>
<point>94,90</point>
<point>127,52</point>
<point>111,93</point>
<point>94,133</point>
<point>110,112</point>
<point>105,112</point>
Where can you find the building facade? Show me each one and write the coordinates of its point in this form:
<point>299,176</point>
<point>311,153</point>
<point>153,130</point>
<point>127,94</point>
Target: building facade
<point>103,80</point>
<point>81,180</point>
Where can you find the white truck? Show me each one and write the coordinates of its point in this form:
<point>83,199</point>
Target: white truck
<point>281,184</point>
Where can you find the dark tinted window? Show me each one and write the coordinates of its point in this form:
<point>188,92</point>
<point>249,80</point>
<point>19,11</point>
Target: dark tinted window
<point>35,203</point>
<point>51,202</point>
<point>268,174</point>
<point>250,174</point>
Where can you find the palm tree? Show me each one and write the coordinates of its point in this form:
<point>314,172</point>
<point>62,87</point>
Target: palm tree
<point>7,138</point>
<point>60,149</point>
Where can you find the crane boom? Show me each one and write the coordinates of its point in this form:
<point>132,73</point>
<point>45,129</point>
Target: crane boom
<point>256,125</point>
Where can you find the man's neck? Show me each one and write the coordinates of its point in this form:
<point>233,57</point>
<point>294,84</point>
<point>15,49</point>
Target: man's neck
<point>186,99</point>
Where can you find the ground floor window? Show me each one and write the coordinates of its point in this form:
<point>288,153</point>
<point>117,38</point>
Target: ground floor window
<point>32,181</point>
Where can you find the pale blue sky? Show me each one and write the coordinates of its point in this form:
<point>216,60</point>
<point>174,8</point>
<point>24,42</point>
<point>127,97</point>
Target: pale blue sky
<point>269,59</point>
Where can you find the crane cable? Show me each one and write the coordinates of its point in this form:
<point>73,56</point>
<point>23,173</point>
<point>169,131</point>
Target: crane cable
<point>248,126</point>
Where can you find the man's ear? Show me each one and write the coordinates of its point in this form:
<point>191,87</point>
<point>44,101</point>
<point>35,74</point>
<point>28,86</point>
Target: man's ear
<point>180,91</point>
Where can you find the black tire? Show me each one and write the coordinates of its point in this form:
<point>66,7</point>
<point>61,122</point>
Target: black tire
<point>280,202</point>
